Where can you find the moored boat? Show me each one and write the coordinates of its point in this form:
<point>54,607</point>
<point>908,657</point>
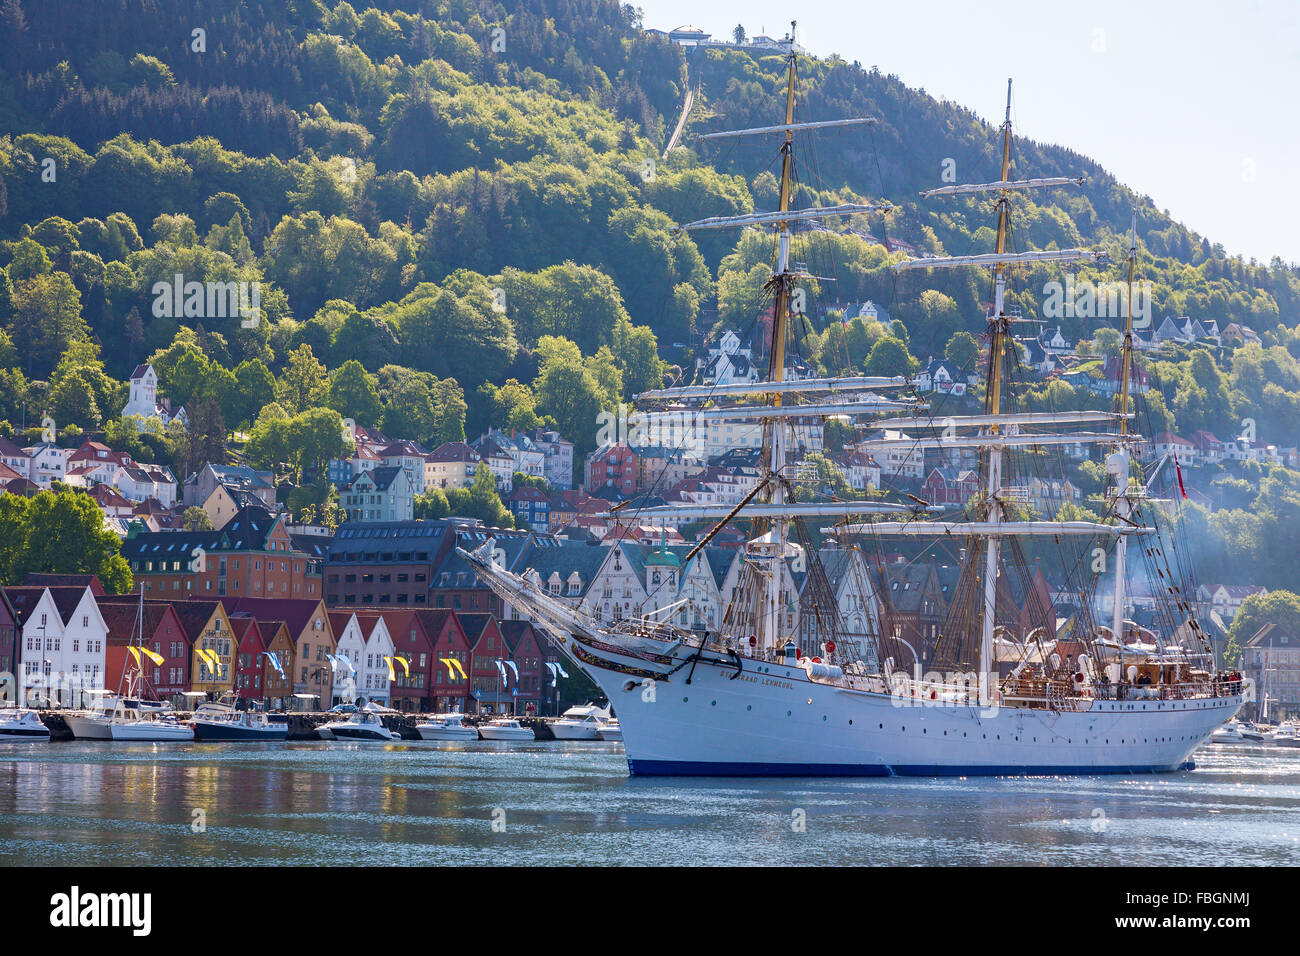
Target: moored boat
<point>610,730</point>
<point>505,729</point>
<point>579,723</point>
<point>446,727</point>
<point>243,725</point>
<point>22,724</point>
<point>1286,735</point>
<point>1236,732</point>
<point>358,726</point>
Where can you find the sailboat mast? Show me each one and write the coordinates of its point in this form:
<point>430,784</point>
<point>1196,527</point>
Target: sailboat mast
<point>1119,463</point>
<point>997,351</point>
<point>776,368</point>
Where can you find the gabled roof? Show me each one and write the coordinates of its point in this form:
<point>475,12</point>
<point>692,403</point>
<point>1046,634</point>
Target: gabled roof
<point>514,632</point>
<point>23,600</point>
<point>268,630</point>
<point>382,478</point>
<point>452,451</point>
<point>402,448</point>
<point>120,617</point>
<point>474,625</point>
<point>1271,635</point>
<point>241,476</point>
<point>248,530</point>
<point>65,580</point>
<point>295,612</point>
<point>11,449</point>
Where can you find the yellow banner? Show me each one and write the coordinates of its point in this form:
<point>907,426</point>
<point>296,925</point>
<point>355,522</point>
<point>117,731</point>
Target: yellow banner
<point>405,665</point>
<point>460,668</point>
<point>134,653</point>
<point>392,674</point>
<point>153,656</point>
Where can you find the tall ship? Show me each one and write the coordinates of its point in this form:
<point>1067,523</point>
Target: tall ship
<point>1003,687</point>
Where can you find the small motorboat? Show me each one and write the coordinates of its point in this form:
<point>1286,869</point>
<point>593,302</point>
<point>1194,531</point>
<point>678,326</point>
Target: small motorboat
<point>216,722</point>
<point>22,724</point>
<point>579,723</point>
<point>359,726</point>
<point>446,727</point>
<point>1286,735</point>
<point>1236,732</point>
<point>505,729</point>
<point>610,730</point>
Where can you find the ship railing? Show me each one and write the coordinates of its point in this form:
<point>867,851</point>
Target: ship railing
<point>1043,692</point>
<point>1186,690</point>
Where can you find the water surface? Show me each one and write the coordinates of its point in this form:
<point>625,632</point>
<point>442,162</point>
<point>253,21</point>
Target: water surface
<point>411,803</point>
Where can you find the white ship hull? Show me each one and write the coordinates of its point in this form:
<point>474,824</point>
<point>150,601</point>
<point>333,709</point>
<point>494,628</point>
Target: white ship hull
<point>427,732</point>
<point>506,733</point>
<point>771,720</point>
<point>86,727</point>
<point>155,731</point>
<point>574,731</point>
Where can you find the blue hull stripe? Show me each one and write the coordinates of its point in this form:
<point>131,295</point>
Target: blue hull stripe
<point>705,768</point>
<point>235,733</point>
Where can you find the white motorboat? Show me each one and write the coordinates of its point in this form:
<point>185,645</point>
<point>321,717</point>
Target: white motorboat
<point>610,730</point>
<point>358,726</point>
<point>505,729</point>
<point>446,727</point>
<point>1286,735</point>
<point>579,723</point>
<point>22,725</point>
<point>1236,732</point>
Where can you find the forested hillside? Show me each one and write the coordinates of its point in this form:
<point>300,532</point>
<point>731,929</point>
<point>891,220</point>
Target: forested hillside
<point>456,217</point>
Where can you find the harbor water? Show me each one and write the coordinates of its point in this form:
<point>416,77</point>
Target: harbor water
<point>86,803</point>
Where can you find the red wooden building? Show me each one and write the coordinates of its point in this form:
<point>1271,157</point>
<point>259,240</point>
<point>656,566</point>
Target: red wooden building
<point>249,663</point>
<point>487,688</point>
<point>410,692</point>
<point>163,634</point>
<point>526,651</point>
<point>448,689</point>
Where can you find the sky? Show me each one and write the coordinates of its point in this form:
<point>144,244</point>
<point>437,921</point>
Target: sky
<point>1193,103</point>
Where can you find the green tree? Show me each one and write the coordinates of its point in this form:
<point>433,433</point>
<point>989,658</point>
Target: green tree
<point>1276,607</point>
<point>195,518</point>
<point>354,394</point>
<point>47,319</point>
<point>889,356</point>
<point>568,390</point>
<point>480,500</point>
<point>254,389</point>
<point>59,532</point>
<point>962,350</point>
<point>303,383</point>
<point>432,504</point>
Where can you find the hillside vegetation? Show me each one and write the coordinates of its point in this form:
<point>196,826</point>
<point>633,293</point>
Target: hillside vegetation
<point>456,217</point>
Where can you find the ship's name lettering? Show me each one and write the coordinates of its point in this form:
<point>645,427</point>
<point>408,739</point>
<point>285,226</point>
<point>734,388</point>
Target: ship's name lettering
<point>767,682</point>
